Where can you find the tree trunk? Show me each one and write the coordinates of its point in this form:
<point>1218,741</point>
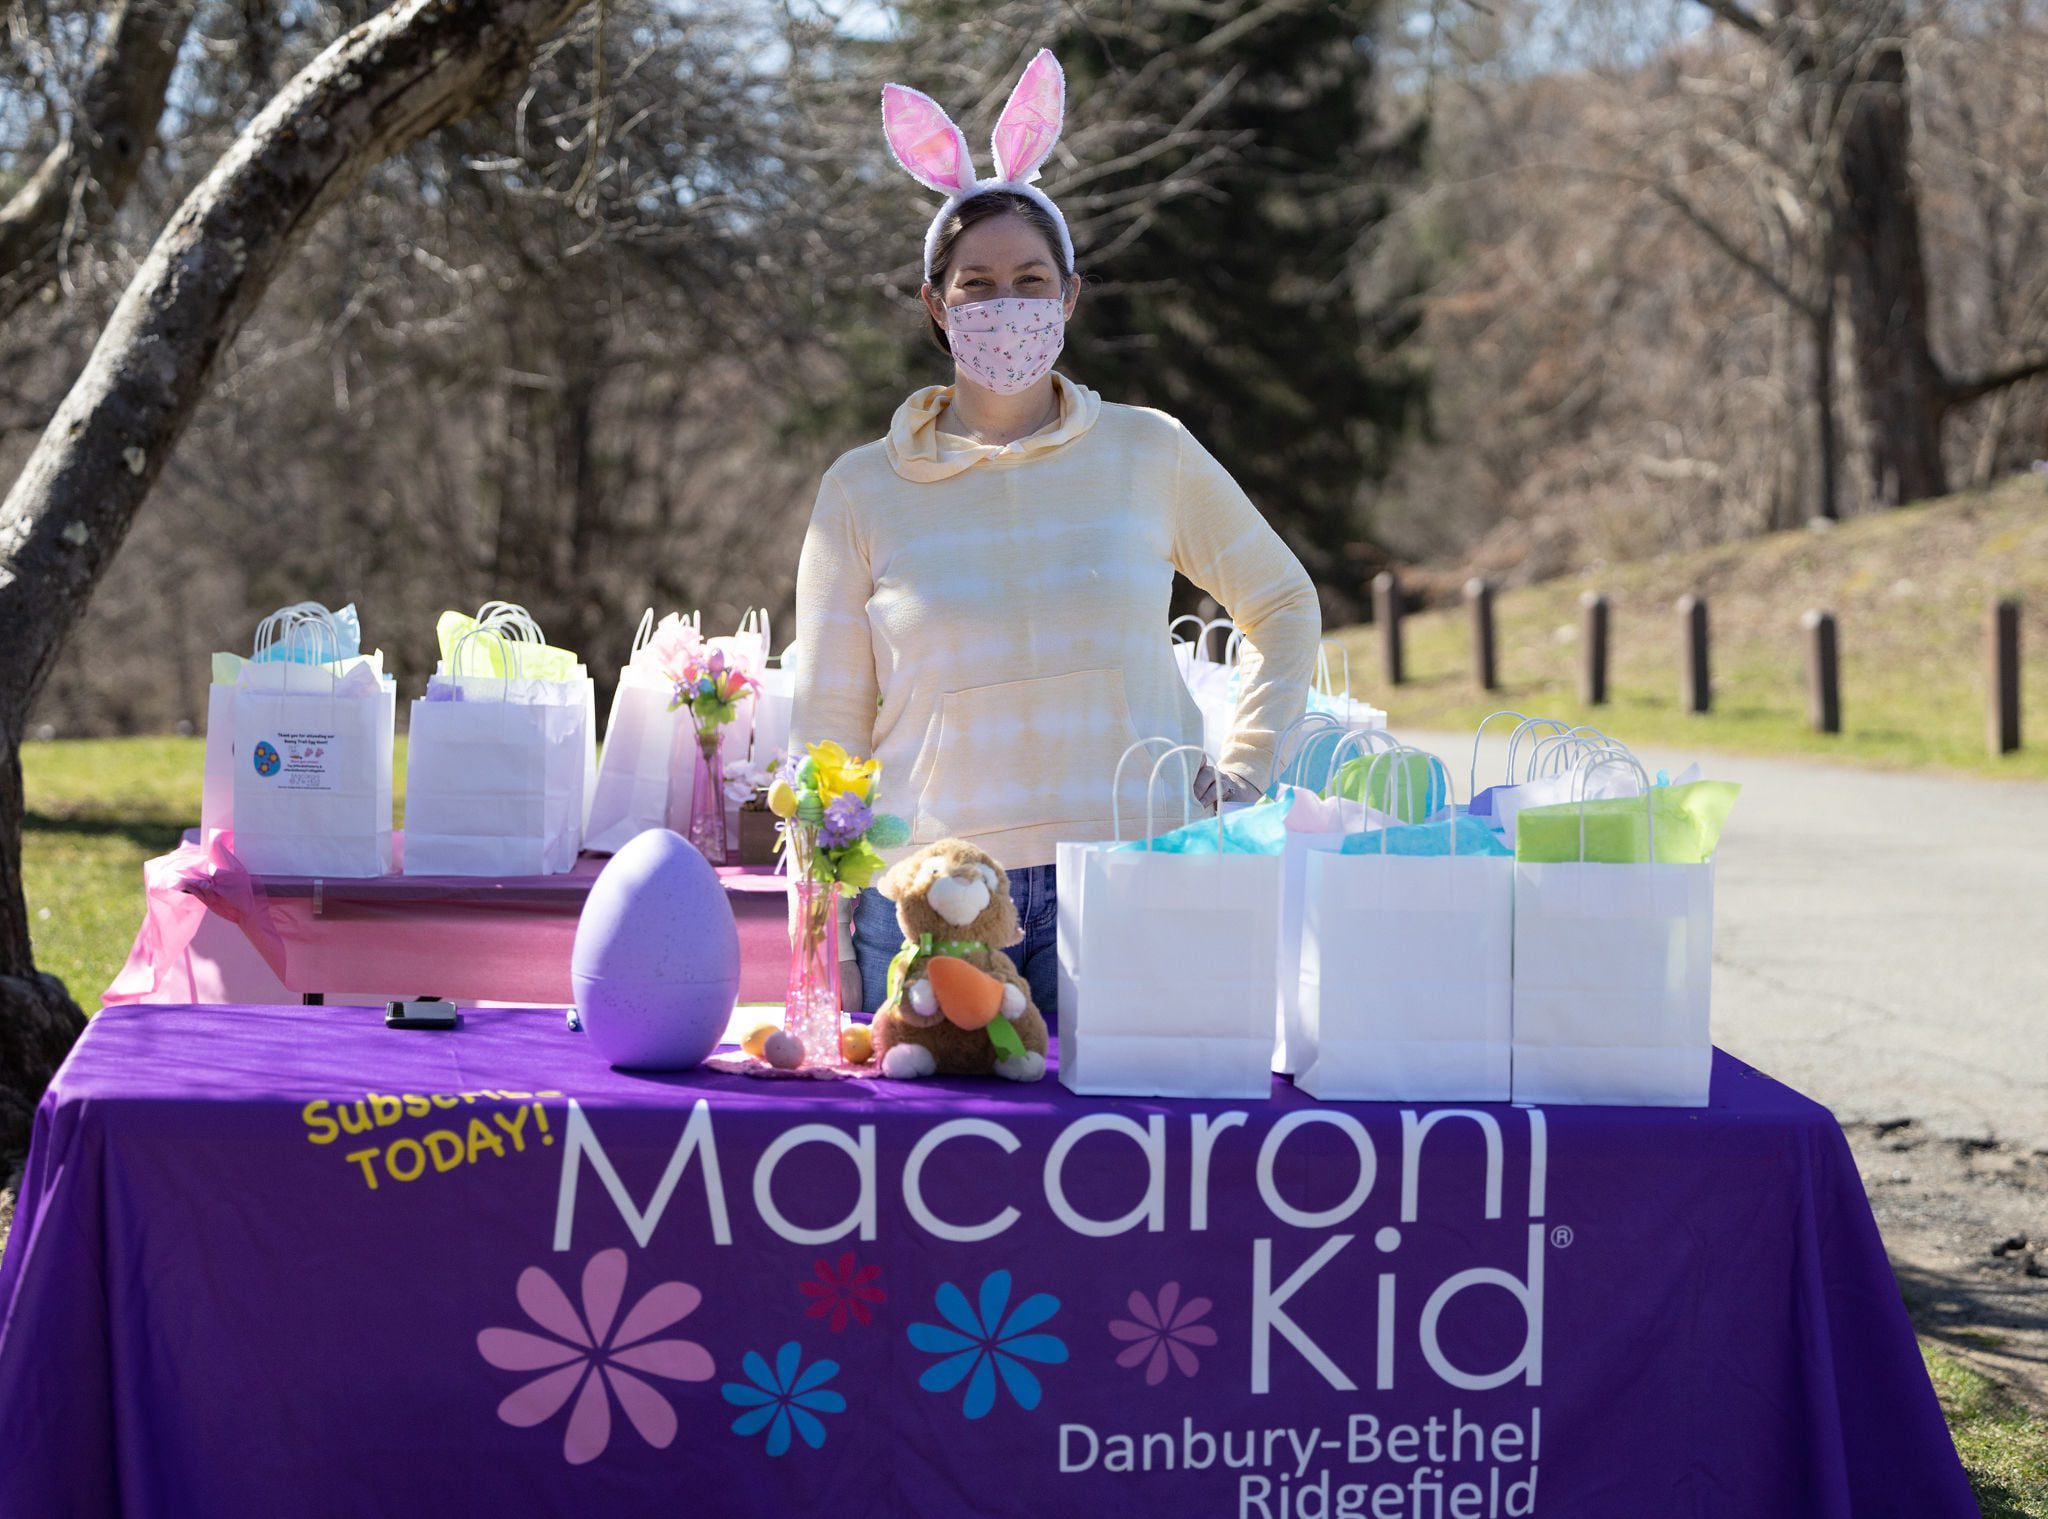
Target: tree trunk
<point>378,89</point>
<point>1905,394</point>
<point>1829,504</point>
<point>38,1021</point>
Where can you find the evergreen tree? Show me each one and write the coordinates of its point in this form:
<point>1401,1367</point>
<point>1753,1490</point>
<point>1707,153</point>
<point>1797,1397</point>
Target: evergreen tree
<point>1238,307</point>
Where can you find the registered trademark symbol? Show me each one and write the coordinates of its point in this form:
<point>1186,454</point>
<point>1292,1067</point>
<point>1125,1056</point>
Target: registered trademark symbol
<point>1561,1236</point>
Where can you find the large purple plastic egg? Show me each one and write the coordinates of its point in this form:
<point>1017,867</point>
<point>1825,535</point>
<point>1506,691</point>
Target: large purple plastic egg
<point>656,964</point>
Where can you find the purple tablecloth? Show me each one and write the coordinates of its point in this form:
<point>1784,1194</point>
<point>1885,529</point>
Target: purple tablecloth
<point>289,1262</point>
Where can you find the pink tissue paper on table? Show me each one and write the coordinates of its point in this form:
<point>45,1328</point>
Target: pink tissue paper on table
<point>180,889</point>
<point>469,939</point>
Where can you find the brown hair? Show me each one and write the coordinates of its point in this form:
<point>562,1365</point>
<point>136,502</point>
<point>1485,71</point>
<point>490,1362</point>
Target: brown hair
<point>979,208</point>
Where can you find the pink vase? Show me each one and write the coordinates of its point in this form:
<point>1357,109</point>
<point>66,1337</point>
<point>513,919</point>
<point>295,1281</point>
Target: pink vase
<point>707,798</point>
<point>812,1011</point>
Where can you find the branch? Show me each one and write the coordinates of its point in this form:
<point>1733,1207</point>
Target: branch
<point>1963,392</point>
<point>111,132</point>
<point>377,90</point>
<point>1712,230</point>
<point>1742,20</point>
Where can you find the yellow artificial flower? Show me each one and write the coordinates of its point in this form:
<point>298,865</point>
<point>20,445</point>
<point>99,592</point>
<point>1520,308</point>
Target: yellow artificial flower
<point>840,773</point>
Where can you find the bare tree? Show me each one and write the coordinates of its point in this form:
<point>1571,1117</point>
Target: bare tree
<point>386,84</point>
<point>85,177</point>
<point>1848,61</point>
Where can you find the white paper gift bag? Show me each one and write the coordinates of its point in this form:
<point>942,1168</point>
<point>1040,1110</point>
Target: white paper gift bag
<point>631,791</point>
<point>1166,969</point>
<point>217,782</point>
<point>1211,681</point>
<point>494,775</point>
<point>773,704</point>
<point>1613,973</point>
<point>1406,974</point>
<point>1313,744</point>
<point>1327,698</point>
<point>747,648</point>
<point>312,770</point>
<point>515,622</point>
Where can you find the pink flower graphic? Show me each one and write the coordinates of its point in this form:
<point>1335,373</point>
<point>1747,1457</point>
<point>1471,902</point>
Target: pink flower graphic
<point>586,1356</point>
<point>843,1291</point>
<point>1164,1329</point>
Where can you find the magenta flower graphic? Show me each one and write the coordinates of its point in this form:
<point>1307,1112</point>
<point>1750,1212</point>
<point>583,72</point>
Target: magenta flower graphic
<point>1163,1329</point>
<point>850,1290</point>
<point>585,1356</point>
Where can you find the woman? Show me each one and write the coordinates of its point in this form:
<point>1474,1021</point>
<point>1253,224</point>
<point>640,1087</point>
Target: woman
<point>983,595</point>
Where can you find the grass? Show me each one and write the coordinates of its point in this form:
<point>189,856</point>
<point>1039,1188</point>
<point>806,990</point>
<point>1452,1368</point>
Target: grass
<point>98,808</point>
<point>1908,590</point>
<point>2004,1448</point>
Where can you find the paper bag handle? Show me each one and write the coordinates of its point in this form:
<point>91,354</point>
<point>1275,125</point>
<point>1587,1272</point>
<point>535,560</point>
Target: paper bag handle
<point>273,627</point>
<point>1283,758</point>
<point>1472,774</point>
<point>1545,754</point>
<point>1116,785</point>
<point>1398,753</point>
<point>507,648</point>
<point>1515,739</point>
<point>1324,683</point>
<point>1174,637</point>
<point>642,635</point>
<point>1202,643</point>
<point>1364,741</point>
<point>505,614</point>
<point>1152,785</point>
<point>1582,780</point>
<point>295,638</point>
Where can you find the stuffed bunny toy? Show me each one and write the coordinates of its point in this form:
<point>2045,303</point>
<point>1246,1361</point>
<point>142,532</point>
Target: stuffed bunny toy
<point>956,1005</point>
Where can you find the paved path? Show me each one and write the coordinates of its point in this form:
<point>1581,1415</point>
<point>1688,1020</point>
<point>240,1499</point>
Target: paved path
<point>1881,940</point>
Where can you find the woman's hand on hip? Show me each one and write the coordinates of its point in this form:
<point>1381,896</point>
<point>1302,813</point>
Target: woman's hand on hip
<point>1235,787</point>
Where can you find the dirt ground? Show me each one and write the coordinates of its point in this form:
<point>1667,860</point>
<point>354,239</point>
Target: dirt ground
<point>1966,1224</point>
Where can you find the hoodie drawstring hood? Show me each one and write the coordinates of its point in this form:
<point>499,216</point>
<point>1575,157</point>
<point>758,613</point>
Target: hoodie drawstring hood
<point>920,451</point>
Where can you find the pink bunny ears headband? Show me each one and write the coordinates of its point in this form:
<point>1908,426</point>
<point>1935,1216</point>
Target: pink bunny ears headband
<point>933,151</point>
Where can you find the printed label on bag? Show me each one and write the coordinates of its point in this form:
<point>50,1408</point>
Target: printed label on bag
<point>298,761</point>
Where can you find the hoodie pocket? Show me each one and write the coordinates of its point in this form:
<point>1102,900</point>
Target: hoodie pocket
<point>1025,754</point>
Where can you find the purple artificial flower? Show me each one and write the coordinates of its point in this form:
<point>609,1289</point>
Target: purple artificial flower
<point>845,821</point>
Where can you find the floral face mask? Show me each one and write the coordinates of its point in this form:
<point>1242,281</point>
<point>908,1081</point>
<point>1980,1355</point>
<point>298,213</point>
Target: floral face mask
<point>1007,344</point>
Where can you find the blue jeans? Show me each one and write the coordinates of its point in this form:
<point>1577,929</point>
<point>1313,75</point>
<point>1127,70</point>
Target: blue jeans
<point>877,936</point>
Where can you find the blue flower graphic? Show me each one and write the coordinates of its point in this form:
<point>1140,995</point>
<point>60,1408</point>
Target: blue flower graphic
<point>782,1399</point>
<point>979,1347</point>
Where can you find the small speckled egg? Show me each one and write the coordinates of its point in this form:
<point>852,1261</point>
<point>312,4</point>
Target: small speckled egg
<point>656,963</point>
<point>783,1050</point>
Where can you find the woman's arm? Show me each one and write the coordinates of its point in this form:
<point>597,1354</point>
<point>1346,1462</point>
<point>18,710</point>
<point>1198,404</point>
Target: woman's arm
<point>1223,545</point>
<point>836,689</point>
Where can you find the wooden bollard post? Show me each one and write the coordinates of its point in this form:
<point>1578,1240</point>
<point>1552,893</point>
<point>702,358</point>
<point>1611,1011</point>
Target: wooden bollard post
<point>2002,666</point>
<point>1823,673</point>
<point>1480,595</point>
<point>1695,686</point>
<point>1386,611</point>
<point>1593,641</point>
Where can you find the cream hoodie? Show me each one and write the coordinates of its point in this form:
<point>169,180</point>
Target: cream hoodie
<point>990,621</point>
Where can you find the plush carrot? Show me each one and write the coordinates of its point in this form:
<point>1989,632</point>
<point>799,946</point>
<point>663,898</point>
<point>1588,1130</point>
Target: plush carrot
<point>969,997</point>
